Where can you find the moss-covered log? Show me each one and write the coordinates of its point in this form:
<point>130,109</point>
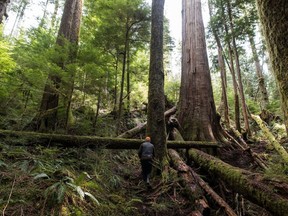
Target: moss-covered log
<point>190,184</point>
<point>252,186</point>
<point>282,152</point>
<point>31,138</point>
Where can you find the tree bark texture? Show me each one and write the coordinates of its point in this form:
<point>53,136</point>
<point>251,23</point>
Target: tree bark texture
<point>3,9</point>
<point>197,113</point>
<point>69,31</point>
<point>252,186</point>
<point>31,138</point>
<point>156,127</point>
<point>273,17</point>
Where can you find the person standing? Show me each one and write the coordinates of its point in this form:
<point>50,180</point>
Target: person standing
<point>146,155</point>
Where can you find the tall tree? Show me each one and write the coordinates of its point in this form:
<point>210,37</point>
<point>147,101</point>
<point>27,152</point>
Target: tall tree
<point>3,9</point>
<point>238,69</point>
<point>197,113</point>
<point>67,37</point>
<point>156,99</point>
<point>222,69</point>
<point>273,16</point>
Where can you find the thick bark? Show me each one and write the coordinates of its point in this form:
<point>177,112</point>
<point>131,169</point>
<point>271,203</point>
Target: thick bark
<point>197,113</point>
<point>156,127</point>
<point>31,138</point>
<point>252,186</point>
<point>273,16</point>
<point>3,9</point>
<point>282,152</point>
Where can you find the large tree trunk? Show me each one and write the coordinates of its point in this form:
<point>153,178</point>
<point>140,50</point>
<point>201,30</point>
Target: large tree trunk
<point>197,113</point>
<point>270,195</point>
<point>68,31</point>
<point>156,127</point>
<point>273,16</point>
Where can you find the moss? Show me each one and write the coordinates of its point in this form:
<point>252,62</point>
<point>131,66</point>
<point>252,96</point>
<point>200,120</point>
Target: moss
<point>248,184</point>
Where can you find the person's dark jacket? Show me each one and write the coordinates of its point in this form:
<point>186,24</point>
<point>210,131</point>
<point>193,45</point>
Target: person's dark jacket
<point>146,151</point>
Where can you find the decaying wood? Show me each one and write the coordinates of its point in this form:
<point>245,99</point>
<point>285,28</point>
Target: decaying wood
<point>31,138</point>
<point>252,186</point>
<point>245,147</point>
<point>132,132</point>
<point>222,203</point>
<point>189,182</point>
<point>282,152</point>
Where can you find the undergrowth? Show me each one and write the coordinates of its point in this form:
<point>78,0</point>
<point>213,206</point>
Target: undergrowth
<point>69,181</point>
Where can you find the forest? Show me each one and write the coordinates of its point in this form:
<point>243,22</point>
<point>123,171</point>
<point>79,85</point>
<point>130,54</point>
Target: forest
<point>82,83</point>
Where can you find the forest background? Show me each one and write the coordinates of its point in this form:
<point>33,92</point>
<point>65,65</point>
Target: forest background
<point>100,87</point>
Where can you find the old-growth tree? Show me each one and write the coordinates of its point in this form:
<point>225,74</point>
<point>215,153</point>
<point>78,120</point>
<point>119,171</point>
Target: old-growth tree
<point>197,113</point>
<point>67,38</point>
<point>273,16</point>
<point>156,101</point>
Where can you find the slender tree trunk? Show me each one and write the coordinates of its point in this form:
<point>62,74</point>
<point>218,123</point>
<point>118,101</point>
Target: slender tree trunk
<point>19,17</point>
<point>197,113</point>
<point>42,22</point>
<point>156,127</point>
<point>261,81</point>
<point>128,78</point>
<point>232,70</point>
<point>222,72</point>
<point>273,16</point>
<point>3,9</point>
<point>97,110</point>
<point>238,70</point>
<point>116,85</point>
<point>54,15</point>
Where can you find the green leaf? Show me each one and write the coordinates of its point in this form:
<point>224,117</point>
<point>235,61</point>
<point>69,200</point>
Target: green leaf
<point>61,193</point>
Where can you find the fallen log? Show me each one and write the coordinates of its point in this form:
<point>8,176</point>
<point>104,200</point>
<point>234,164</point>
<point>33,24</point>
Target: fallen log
<point>132,132</point>
<point>281,151</point>
<point>252,186</point>
<point>245,147</point>
<point>32,138</point>
<point>188,181</point>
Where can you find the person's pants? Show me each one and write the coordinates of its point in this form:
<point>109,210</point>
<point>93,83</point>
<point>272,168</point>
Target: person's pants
<point>146,169</point>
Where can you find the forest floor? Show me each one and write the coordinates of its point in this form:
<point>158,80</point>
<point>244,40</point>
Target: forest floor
<point>70,181</point>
